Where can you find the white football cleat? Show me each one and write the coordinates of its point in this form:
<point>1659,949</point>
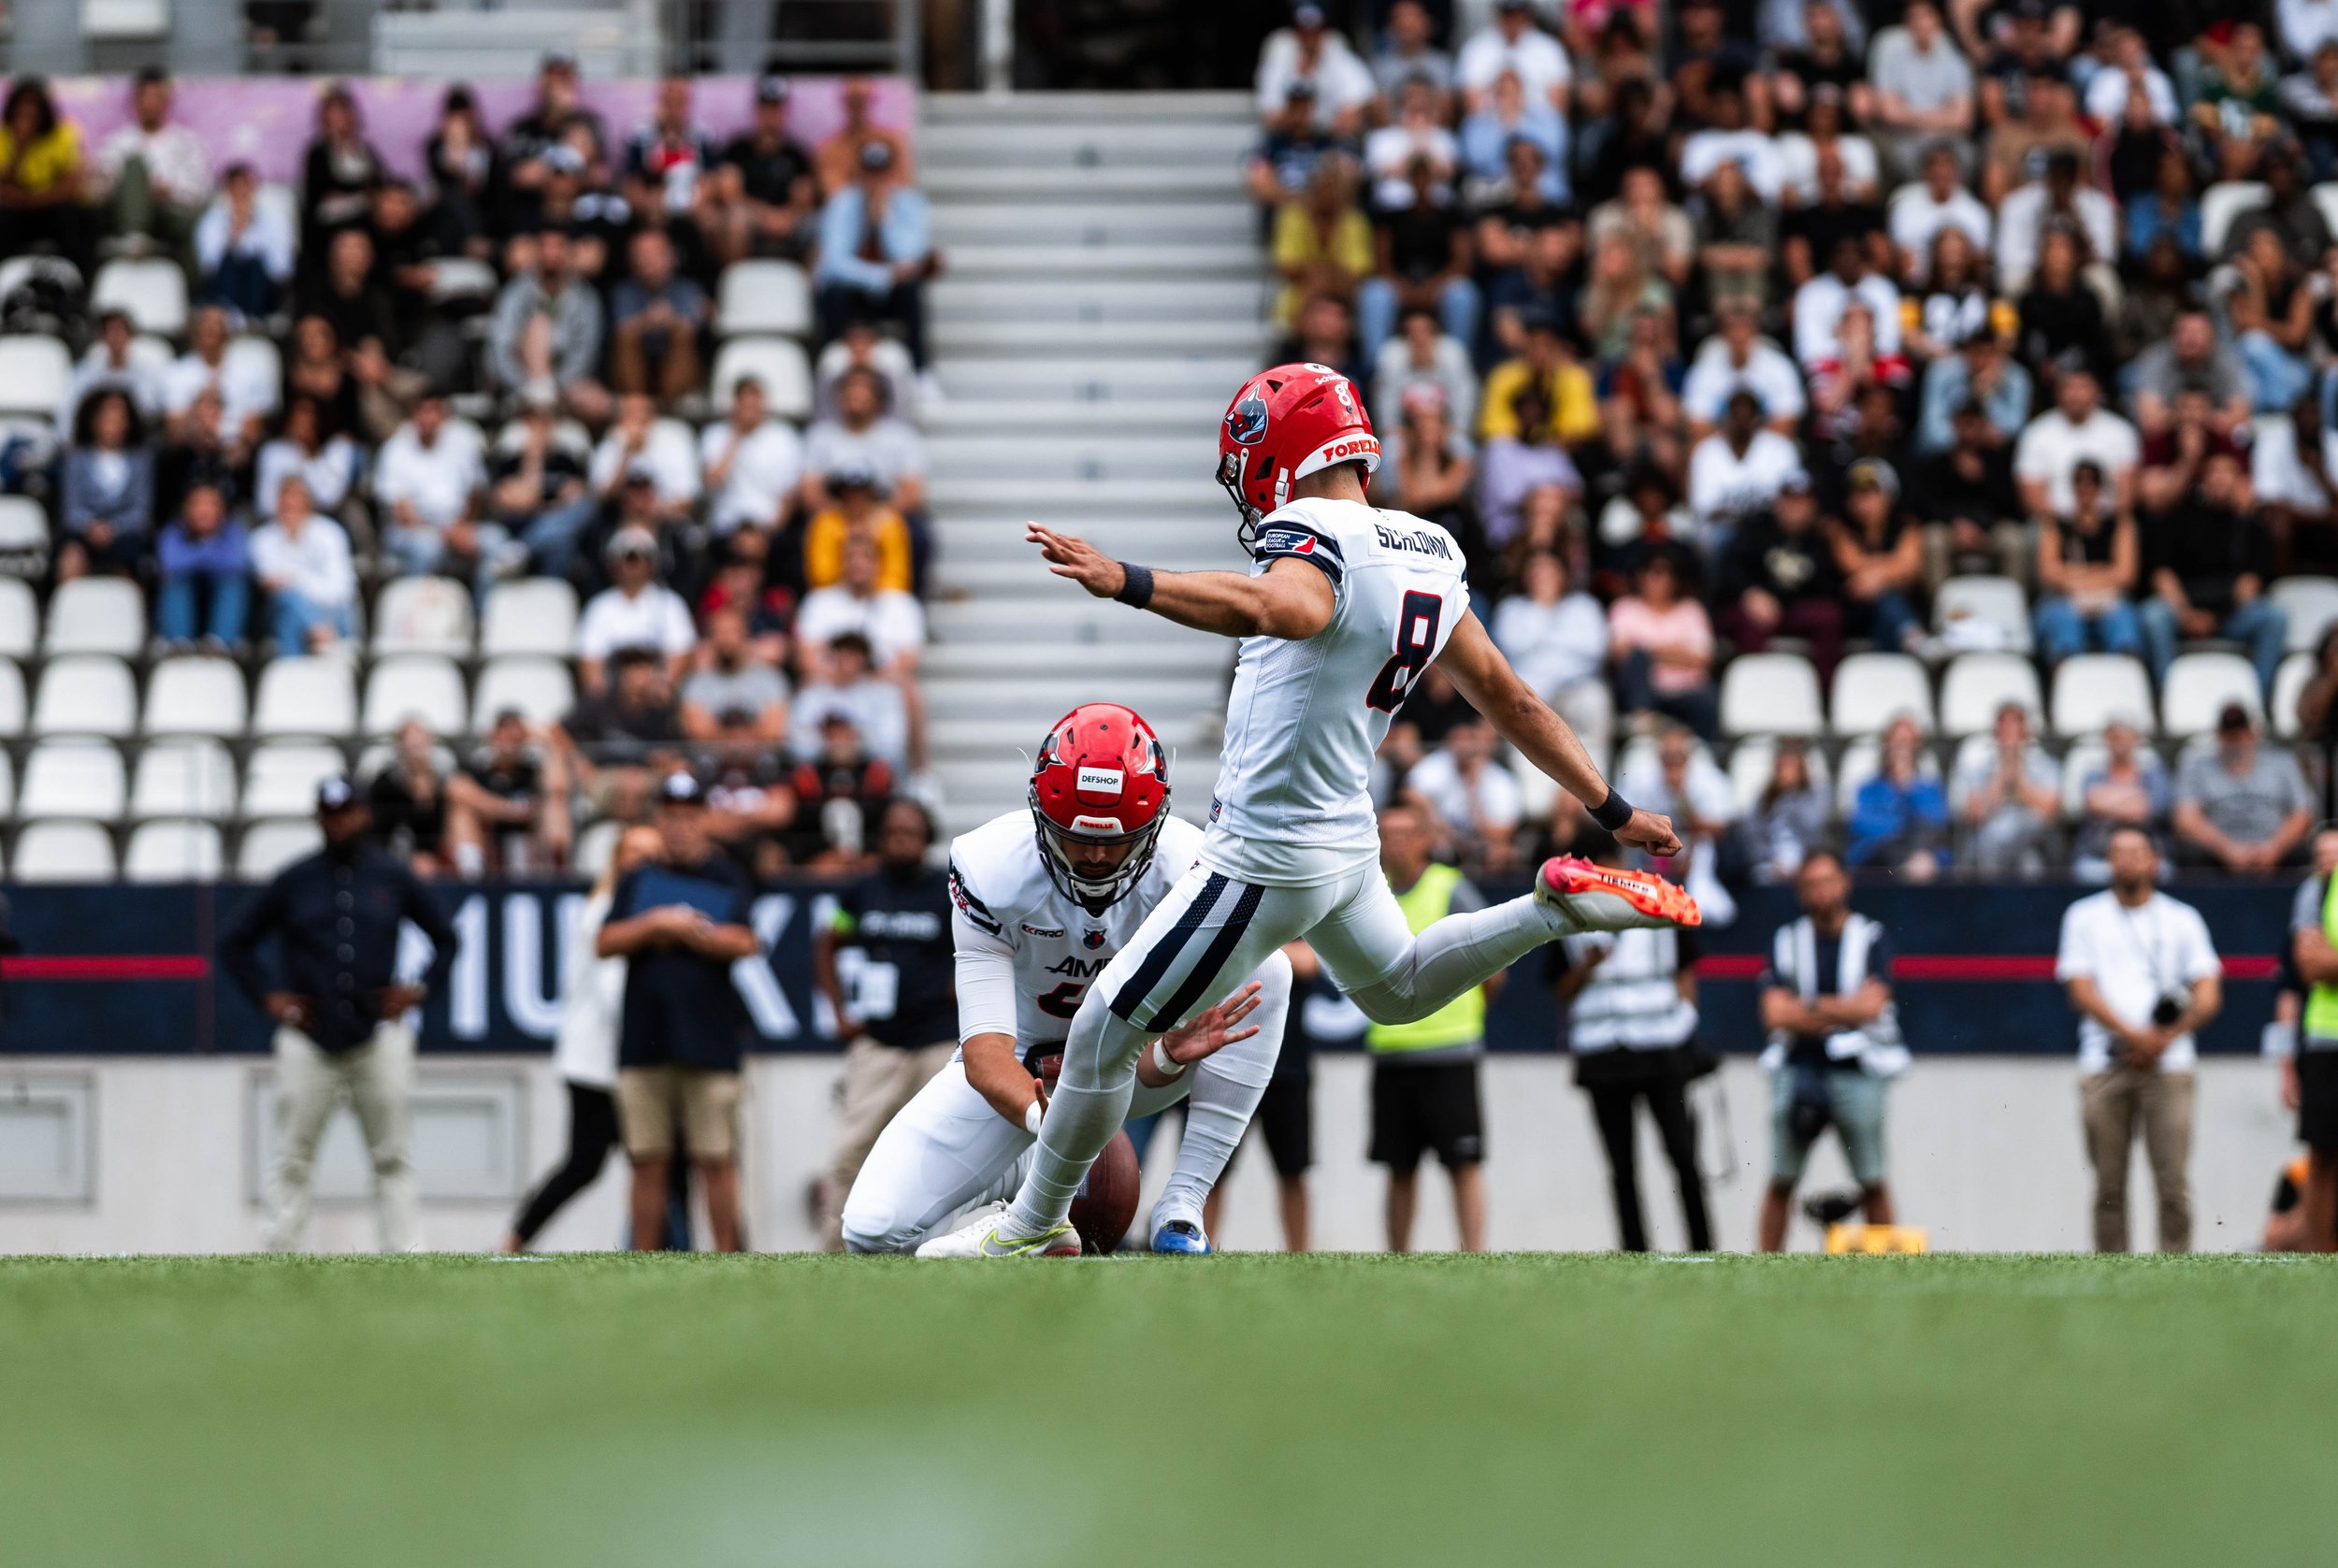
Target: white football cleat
<point>1606,899</point>
<point>977,1236</point>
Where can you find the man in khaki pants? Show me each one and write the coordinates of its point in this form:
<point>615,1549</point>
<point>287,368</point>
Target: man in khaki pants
<point>340,1009</point>
<point>886,964</point>
<point>2143,976</point>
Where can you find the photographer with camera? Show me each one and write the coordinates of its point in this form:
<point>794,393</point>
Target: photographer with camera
<point>1833,1043</point>
<point>2142,974</point>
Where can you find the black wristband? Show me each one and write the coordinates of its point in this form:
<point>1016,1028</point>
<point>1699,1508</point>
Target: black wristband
<point>1612,813</point>
<point>1138,588</point>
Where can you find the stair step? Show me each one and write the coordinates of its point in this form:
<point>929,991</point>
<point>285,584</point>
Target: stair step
<point>985,698</point>
<point>1009,498</point>
<point>1084,301</point>
<point>1013,611</point>
<point>1245,338</point>
<point>1098,144</point>
<point>1016,416</point>
<point>988,572</point>
<point>1201,545</point>
<point>1229,258</point>
<point>1229,222</point>
<point>1153,182</point>
<point>1123,378</point>
<point>964,737</point>
<point>1021,656</point>
<point>1068,455</point>
<point>959,108</point>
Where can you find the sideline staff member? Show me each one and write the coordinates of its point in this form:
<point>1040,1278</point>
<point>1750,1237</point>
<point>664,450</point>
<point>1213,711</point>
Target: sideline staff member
<point>1424,1073</point>
<point>682,921</point>
<point>2313,948</point>
<point>340,1010</point>
<point>2143,975</point>
<point>889,969</point>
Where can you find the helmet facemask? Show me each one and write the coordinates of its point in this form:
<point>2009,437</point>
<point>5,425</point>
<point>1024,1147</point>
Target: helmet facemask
<point>1099,893</point>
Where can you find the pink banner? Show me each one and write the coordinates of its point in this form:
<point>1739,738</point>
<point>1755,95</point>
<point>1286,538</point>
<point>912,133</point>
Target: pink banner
<point>266,121</point>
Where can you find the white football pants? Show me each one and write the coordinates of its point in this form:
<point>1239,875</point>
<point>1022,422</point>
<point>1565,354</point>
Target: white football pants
<point>1213,927</point>
<point>948,1150</point>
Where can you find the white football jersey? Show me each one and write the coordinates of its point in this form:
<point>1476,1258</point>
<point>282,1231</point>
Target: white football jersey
<point>1013,924</point>
<point>1306,717</point>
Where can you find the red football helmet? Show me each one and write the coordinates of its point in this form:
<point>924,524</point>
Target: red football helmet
<point>1284,424</point>
<point>1102,778</point>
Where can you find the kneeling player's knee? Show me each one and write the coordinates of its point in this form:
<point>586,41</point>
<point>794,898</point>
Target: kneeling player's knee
<point>867,1228</point>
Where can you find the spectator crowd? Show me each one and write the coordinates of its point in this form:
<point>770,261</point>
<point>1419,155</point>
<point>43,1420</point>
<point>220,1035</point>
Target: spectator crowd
<point>641,397</point>
<point>1930,406</point>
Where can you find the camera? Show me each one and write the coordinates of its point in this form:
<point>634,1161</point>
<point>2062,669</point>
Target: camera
<point>2169,1008</point>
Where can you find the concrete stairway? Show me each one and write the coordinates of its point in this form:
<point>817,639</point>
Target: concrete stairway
<point>1105,295</point>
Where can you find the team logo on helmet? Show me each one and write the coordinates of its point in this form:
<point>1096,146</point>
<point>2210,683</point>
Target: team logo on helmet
<point>1246,421</point>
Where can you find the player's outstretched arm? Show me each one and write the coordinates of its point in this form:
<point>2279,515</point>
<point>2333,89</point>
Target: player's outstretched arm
<point>1290,599</point>
<point>1481,674</point>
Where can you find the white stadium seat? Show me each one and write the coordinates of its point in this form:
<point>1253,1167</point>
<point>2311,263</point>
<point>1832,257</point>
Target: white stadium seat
<point>19,619</point>
<point>194,694</point>
<point>2222,204</point>
<point>770,297</point>
<point>255,356</point>
<point>88,694</point>
<point>541,688</point>
<point>423,686</point>
<point>7,785</point>
<point>1770,694</point>
<point>2197,687</point>
<point>63,851</point>
<point>96,615</point>
<point>1978,684</point>
<point>2092,689</point>
<point>183,778</point>
<point>173,850</point>
<point>152,293</point>
<point>778,363</point>
<point>16,269</point>
<point>11,698</point>
<point>23,536</point>
<point>2289,683</point>
<point>2313,605</point>
<point>423,615</point>
<point>267,847</point>
<point>2326,200</point>
<point>530,615</point>
<point>305,696</point>
<point>35,371</point>
<point>73,779</point>
<point>1873,689</point>
<point>1990,601</point>
<point>280,778</point>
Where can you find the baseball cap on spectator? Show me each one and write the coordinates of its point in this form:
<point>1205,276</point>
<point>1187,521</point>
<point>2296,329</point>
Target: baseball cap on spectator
<point>561,158</point>
<point>337,794</point>
<point>877,155</point>
<point>770,88</point>
<point>855,477</point>
<point>1797,482</point>
<point>1307,14</point>
<point>680,789</point>
<point>2233,718</point>
<point>630,544</point>
<point>1874,473</point>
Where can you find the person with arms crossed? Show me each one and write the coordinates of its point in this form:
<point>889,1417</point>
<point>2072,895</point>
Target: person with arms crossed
<point>1833,1043</point>
<point>1044,901</point>
<point>884,965</point>
<point>2143,975</point>
<point>1345,605</point>
<point>340,1010</point>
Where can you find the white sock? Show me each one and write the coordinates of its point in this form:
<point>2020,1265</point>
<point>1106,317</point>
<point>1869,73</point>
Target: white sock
<point>1089,1103</point>
<point>1458,952</point>
<point>1226,1091</point>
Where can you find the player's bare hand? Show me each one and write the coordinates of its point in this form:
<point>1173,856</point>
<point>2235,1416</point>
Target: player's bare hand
<point>1649,831</point>
<point>1068,555</point>
<point>1213,1030</point>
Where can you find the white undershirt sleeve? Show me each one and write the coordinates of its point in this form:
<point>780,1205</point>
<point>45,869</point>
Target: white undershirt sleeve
<point>986,981</point>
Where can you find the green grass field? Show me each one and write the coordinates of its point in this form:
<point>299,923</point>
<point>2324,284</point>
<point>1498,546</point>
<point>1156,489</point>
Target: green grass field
<point>1516,1409</point>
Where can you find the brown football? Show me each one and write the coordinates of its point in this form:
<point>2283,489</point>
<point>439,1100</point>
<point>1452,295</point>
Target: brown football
<point>1105,1204</point>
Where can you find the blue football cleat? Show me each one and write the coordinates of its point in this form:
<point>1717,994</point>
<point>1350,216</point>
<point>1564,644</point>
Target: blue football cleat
<point>1179,1235</point>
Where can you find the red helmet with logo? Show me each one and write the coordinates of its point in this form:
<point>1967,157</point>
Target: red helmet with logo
<point>1284,424</point>
<point>1102,778</point>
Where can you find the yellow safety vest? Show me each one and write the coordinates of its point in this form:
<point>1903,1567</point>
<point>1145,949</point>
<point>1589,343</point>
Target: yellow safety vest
<point>2321,1000</point>
<point>1459,1021</point>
